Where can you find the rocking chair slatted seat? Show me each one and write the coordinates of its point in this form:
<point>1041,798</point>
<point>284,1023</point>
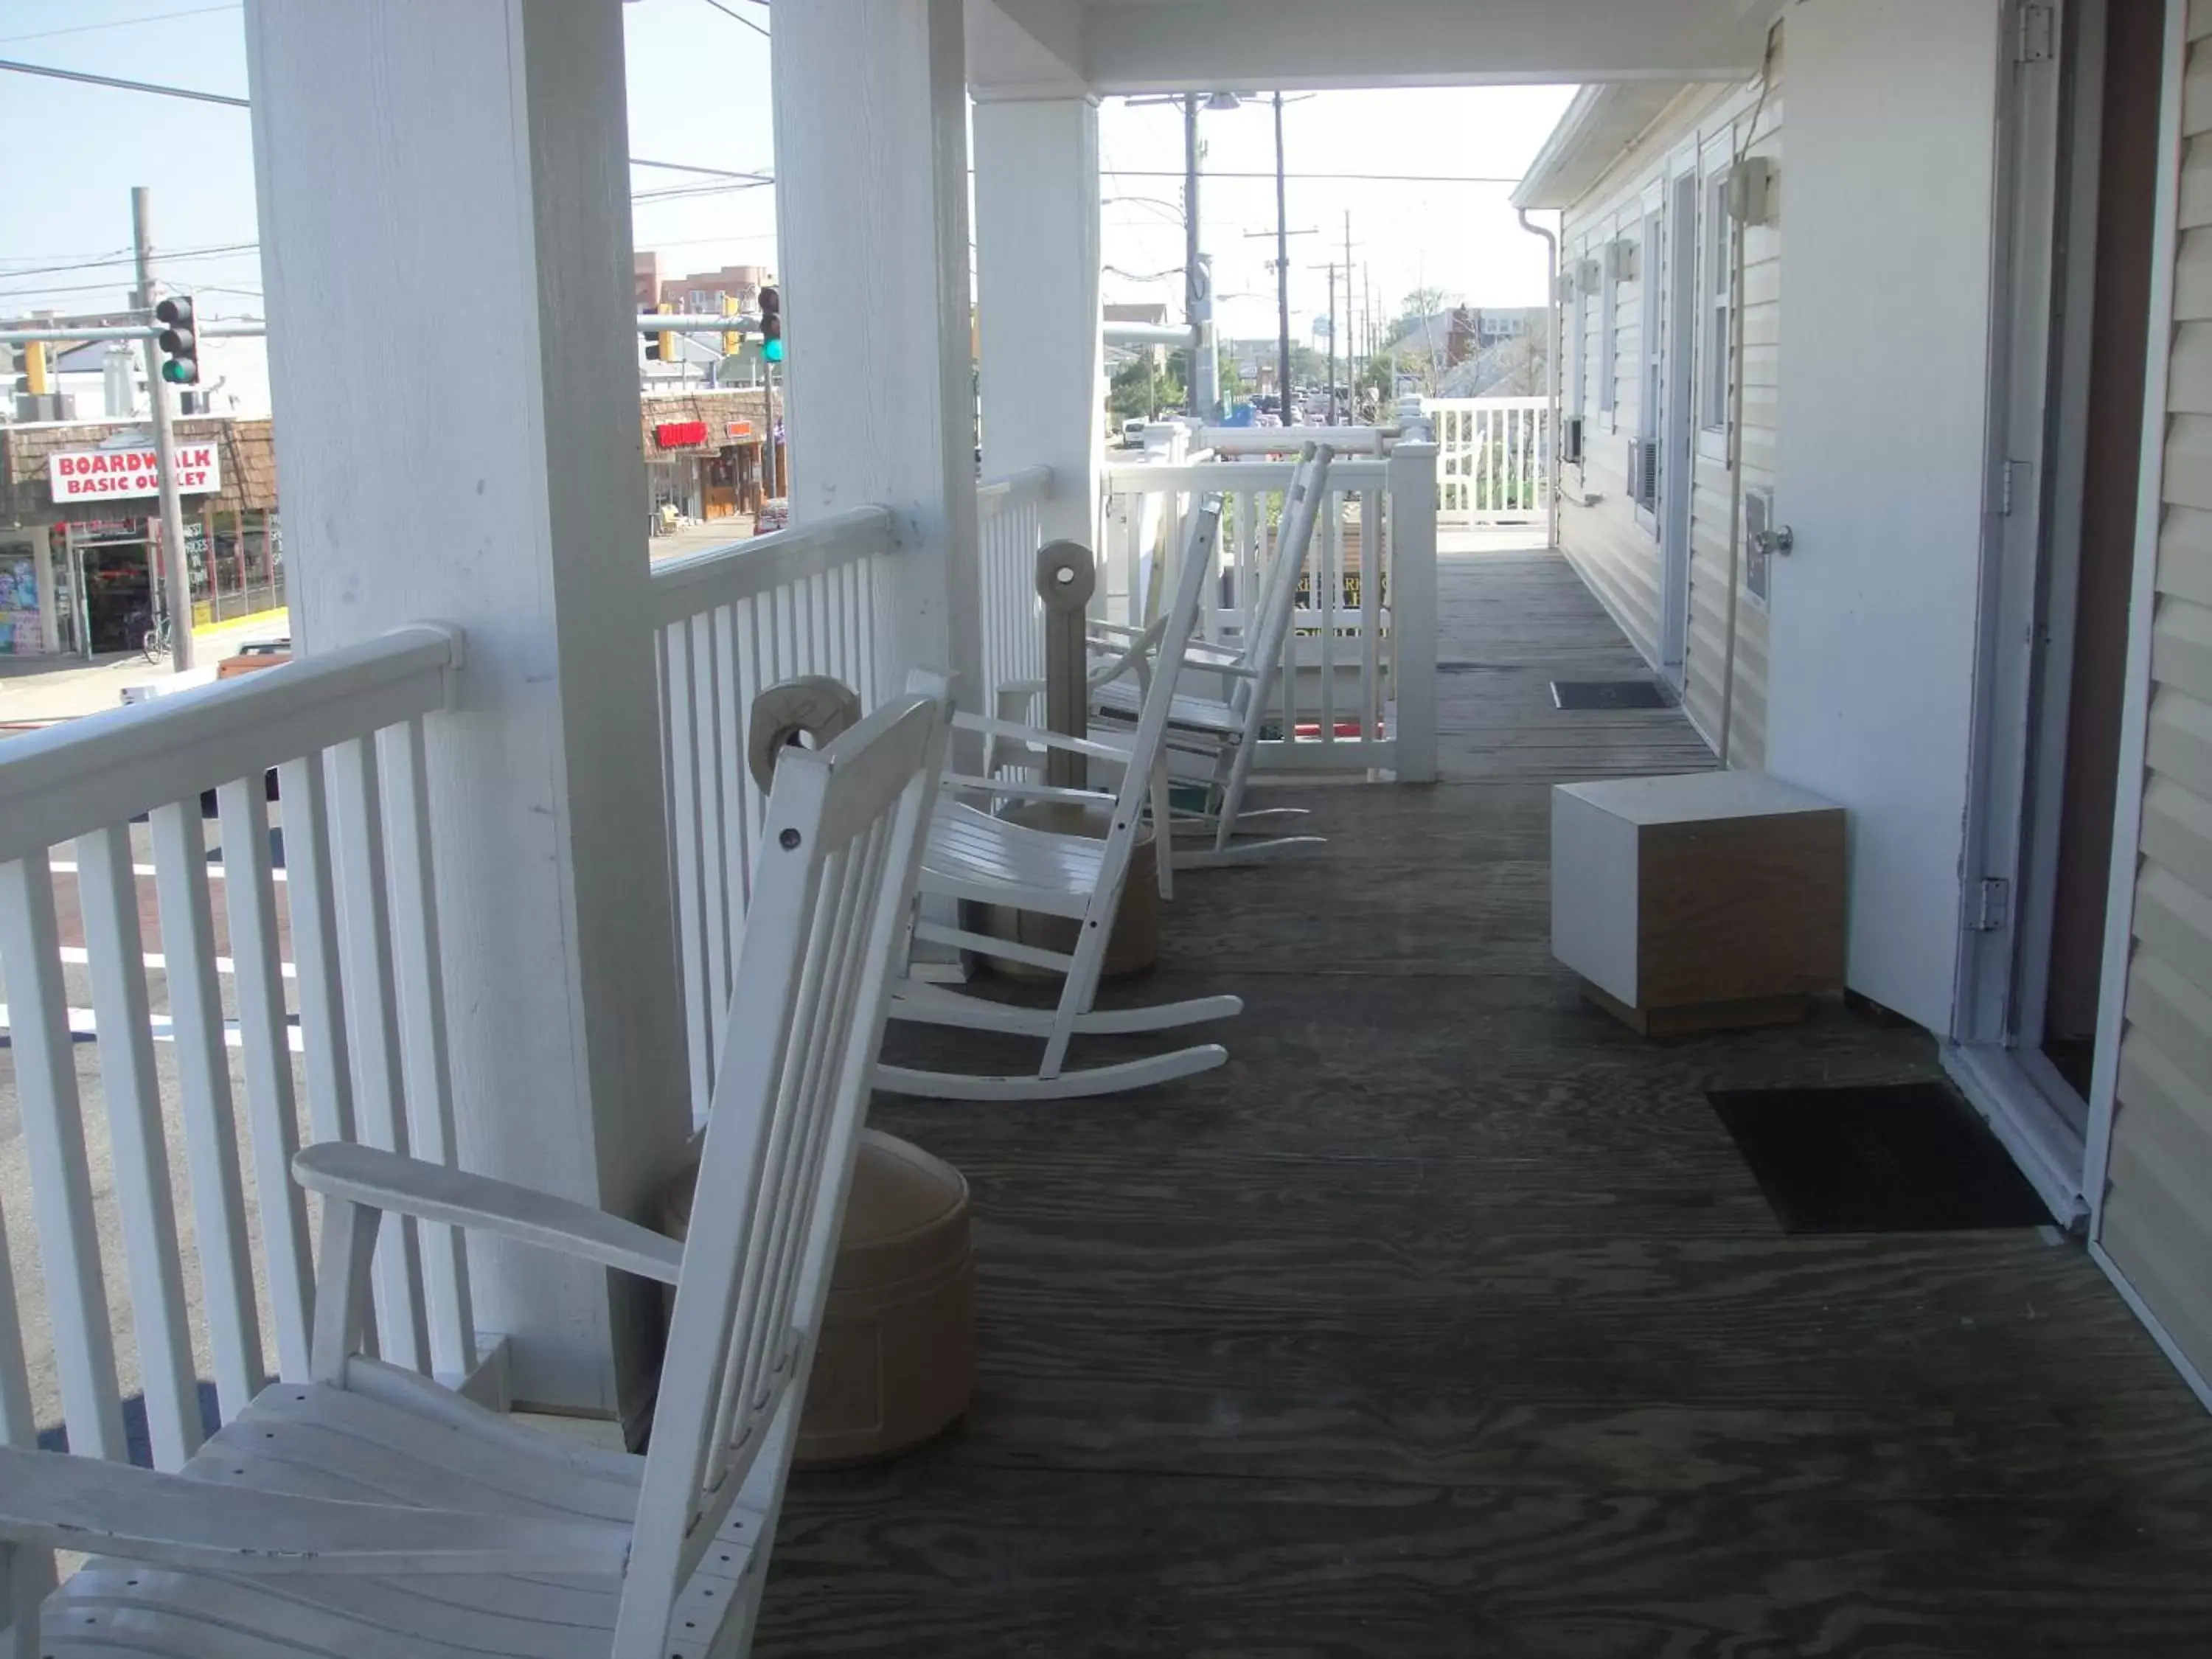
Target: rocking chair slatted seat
<point>973,854</point>
<point>366,1512</point>
<point>1227,729</point>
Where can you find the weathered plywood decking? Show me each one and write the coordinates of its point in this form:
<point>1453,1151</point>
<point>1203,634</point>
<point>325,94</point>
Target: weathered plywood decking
<point>1444,1321</point>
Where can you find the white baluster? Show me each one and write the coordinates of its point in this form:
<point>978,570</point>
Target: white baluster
<point>53,1136</point>
<point>108,894</point>
<point>210,1122</point>
<point>364,906</point>
<point>418,971</point>
<point>265,1041</point>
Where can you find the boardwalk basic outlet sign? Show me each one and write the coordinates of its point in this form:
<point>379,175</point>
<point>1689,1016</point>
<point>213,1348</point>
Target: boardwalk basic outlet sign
<point>84,475</point>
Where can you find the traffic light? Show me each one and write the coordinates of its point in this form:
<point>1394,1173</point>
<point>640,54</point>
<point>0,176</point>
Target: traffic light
<point>771,304</point>
<point>732,340</point>
<point>180,343</point>
<point>661,348</point>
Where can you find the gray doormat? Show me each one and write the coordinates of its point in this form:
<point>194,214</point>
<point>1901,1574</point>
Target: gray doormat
<point>1608,694</point>
<point>1904,1157</point>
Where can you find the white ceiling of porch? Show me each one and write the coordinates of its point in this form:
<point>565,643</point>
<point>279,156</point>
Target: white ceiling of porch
<point>1172,46</point>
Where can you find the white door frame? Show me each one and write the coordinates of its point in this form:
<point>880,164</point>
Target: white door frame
<point>1677,427</point>
<point>1995,1049</point>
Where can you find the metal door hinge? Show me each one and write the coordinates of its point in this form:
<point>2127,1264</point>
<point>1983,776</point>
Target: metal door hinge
<point>2038,35</point>
<point>1991,903</point>
<point>2006,471</point>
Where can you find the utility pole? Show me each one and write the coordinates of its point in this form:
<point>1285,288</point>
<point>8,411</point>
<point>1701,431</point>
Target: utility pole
<point>1282,275</point>
<point>1197,281</point>
<point>174,588</point>
<point>1328,392</point>
<point>1350,326</point>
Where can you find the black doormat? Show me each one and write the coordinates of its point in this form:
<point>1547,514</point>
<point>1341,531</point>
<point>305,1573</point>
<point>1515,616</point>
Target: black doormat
<point>1608,693</point>
<point>1909,1157</point>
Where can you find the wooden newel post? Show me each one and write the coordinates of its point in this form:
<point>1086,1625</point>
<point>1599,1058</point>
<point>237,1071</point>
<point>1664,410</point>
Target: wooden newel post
<point>1066,576</point>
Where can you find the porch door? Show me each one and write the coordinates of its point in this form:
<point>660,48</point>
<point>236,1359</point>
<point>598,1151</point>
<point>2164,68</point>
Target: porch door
<point>1884,473</point>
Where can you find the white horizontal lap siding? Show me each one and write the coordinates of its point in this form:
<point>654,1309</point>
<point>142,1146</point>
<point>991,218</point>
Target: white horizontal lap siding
<point>1706,666</point>
<point>1618,557</point>
<point>2157,1215</point>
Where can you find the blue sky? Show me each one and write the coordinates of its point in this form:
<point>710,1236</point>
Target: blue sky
<point>699,94</point>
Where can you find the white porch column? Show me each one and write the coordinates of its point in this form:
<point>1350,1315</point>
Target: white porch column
<point>1037,306</point>
<point>872,192</point>
<point>414,157</point>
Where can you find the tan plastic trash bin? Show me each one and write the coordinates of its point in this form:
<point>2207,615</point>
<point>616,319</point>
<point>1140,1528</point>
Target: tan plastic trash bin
<point>896,1362</point>
<point>1134,944</point>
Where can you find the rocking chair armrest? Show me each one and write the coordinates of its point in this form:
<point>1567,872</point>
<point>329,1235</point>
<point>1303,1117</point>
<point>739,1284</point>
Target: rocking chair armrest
<point>1192,649</point>
<point>71,1502</point>
<point>1023,789</point>
<point>1012,731</point>
<point>379,1180</point>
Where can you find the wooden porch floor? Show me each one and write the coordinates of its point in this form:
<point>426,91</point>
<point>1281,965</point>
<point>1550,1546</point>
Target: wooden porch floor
<point>1445,1320</point>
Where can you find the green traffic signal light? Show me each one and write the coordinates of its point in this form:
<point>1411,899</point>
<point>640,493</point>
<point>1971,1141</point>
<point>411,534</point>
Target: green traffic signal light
<point>772,351</point>
<point>177,373</point>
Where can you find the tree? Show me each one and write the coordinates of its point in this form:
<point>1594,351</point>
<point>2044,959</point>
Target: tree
<point>1380,376</point>
<point>1138,391</point>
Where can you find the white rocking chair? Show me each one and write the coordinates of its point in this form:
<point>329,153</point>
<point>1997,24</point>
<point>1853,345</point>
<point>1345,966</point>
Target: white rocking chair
<point>1226,729</point>
<point>368,1511</point>
<point>975,855</point>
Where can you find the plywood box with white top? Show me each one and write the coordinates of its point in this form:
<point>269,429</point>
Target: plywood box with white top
<point>1692,903</point>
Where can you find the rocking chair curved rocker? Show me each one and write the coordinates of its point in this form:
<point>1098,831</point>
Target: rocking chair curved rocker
<point>973,854</point>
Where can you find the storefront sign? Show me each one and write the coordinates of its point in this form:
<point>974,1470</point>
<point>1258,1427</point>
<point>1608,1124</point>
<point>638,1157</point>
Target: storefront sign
<point>740,428</point>
<point>85,475</point>
<point>674,435</point>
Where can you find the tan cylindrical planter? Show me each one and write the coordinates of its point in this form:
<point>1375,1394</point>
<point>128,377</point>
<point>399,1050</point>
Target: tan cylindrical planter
<point>1134,944</point>
<point>897,1361</point>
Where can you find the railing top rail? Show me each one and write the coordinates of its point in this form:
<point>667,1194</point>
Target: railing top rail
<point>1031,484</point>
<point>1356,473</point>
<point>697,582</point>
<point>106,769</point>
<point>1348,439</point>
<point>1485,403</point>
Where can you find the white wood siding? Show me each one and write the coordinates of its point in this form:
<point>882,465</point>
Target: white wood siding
<point>1617,553</point>
<point>2157,1218</point>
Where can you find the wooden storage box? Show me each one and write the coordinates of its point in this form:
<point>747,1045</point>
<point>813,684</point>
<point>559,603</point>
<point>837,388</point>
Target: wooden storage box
<point>1696,902</point>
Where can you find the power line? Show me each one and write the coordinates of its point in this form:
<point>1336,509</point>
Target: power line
<point>685,167</point>
<point>125,86</point>
<point>124,258</point>
<point>118,23</point>
<point>738,17</point>
<point>1354,177</point>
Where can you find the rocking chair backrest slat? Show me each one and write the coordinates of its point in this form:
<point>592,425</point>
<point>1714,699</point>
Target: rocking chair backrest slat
<point>1192,577</point>
<point>1304,500</point>
<point>834,877</point>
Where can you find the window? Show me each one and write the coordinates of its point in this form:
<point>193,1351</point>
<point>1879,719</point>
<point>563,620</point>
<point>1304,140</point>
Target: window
<point>1652,342</point>
<point>1720,276</point>
<point>1608,328</point>
<point>1579,297</point>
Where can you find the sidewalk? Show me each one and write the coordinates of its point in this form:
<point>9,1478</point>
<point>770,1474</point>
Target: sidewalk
<point>34,691</point>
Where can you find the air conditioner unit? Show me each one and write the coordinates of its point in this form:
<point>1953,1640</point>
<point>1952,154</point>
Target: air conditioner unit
<point>1571,441</point>
<point>1643,473</point>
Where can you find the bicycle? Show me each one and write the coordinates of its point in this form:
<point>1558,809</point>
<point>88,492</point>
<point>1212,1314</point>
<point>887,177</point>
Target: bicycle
<point>157,640</point>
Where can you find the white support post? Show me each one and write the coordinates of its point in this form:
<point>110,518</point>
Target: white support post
<point>1036,300</point>
<point>407,151</point>
<point>872,194</point>
<point>1413,605</point>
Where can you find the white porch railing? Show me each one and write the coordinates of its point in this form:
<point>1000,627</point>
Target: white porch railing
<point>1006,512</point>
<point>727,623</point>
<point>315,980</point>
<point>1493,459</point>
<point>1357,690</point>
